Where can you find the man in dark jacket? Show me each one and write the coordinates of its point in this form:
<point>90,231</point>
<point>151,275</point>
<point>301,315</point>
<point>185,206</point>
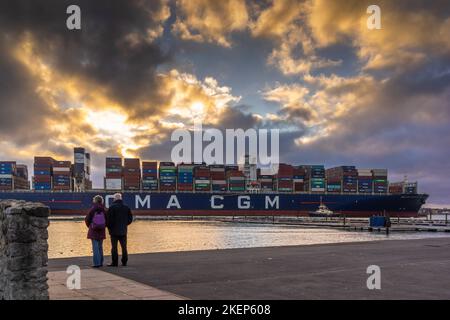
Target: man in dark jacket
<point>119,217</point>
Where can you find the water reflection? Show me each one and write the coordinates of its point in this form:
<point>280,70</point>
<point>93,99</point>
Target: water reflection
<point>68,238</point>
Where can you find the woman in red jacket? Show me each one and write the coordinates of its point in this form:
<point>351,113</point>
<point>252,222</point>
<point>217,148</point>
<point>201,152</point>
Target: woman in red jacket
<point>96,222</point>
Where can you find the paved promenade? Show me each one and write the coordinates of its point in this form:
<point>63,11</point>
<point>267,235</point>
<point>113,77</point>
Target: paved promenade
<point>410,269</point>
<point>100,285</point>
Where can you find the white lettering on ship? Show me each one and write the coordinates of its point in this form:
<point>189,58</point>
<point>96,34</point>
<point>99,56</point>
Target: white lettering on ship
<point>243,204</point>
<point>173,202</point>
<point>108,200</point>
<point>139,202</point>
<point>275,202</point>
<point>213,203</point>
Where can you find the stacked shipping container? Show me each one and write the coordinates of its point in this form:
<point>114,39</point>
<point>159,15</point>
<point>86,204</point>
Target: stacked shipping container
<point>285,177</point>
<point>113,174</point>
<point>202,178</point>
<point>167,176</point>
<point>132,174</point>
<point>346,176</point>
<point>150,175</point>
<point>62,175</point>
<point>334,179</point>
<point>299,178</point>
<point>403,187</point>
<point>235,179</point>
<point>185,177</point>
<point>218,179</point>
<point>315,176</point>
<point>380,180</point>
<point>50,174</point>
<point>267,182</point>
<point>365,181</point>
<point>349,179</point>
<point>42,173</point>
<point>7,173</point>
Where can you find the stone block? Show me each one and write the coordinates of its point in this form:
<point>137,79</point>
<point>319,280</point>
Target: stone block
<point>23,250</point>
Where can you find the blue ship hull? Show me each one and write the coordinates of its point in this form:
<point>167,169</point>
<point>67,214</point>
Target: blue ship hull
<point>219,204</point>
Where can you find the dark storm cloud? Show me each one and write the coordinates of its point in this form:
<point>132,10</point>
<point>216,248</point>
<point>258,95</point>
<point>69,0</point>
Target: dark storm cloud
<point>22,112</point>
<point>430,79</point>
<point>110,50</point>
<point>158,151</point>
<point>236,118</point>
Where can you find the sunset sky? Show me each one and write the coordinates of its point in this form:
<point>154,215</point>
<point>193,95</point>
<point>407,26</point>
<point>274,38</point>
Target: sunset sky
<point>340,94</point>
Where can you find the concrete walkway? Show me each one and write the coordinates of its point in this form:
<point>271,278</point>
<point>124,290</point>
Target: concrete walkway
<point>410,269</point>
<point>100,285</point>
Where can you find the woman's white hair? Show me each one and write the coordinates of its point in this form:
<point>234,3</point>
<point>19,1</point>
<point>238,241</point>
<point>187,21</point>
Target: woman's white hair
<point>98,199</point>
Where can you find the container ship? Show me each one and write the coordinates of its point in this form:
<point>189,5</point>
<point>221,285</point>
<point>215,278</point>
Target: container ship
<point>169,189</point>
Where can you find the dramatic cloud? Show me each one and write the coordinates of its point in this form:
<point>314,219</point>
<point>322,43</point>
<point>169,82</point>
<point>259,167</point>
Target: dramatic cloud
<point>277,19</point>
<point>210,21</point>
<point>411,30</point>
<point>285,22</point>
<point>97,87</point>
<point>321,100</point>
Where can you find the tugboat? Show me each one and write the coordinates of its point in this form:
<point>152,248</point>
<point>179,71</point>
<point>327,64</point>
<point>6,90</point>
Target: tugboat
<point>323,211</point>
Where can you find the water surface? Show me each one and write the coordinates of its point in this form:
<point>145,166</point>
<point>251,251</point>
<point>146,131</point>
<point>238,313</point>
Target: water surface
<point>68,238</point>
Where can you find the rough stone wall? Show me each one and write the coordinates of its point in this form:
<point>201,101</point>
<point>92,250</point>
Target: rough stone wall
<point>23,250</point>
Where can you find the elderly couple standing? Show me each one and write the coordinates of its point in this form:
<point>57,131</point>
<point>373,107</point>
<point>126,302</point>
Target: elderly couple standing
<point>117,219</point>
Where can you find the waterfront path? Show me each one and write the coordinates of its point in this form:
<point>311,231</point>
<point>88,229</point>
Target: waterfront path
<point>410,269</point>
<point>100,285</point>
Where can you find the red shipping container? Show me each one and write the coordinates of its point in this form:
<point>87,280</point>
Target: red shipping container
<point>44,160</point>
<point>62,164</point>
<point>235,174</point>
<point>132,175</point>
<point>42,178</point>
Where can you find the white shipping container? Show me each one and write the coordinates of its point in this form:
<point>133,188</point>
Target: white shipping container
<point>202,181</point>
<point>113,184</point>
<point>60,169</point>
<point>6,176</point>
<point>298,180</point>
<point>318,189</point>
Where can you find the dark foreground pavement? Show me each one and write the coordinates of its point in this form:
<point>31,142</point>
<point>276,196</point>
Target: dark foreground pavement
<point>410,269</point>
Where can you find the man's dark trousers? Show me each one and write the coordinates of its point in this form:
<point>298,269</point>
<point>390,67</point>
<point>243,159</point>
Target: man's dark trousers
<point>114,253</point>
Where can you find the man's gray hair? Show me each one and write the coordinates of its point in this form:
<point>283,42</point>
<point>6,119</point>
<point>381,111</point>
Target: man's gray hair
<point>117,196</point>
